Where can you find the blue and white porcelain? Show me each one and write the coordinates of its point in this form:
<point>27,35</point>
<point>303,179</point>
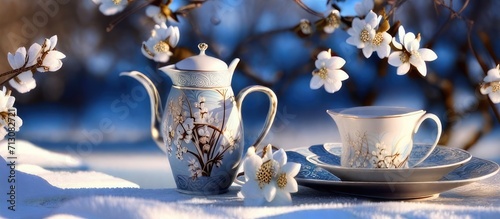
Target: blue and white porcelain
<point>201,129</point>
<point>317,178</point>
<point>380,136</point>
<point>439,163</point>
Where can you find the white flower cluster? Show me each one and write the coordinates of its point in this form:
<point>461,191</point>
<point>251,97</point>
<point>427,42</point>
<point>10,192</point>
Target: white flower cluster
<point>162,40</point>
<point>369,33</point>
<point>269,179</point>
<point>38,58</point>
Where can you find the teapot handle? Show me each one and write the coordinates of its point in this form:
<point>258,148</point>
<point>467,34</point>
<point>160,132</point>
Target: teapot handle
<point>273,105</point>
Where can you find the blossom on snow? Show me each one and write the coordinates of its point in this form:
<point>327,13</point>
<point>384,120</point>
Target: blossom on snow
<point>269,179</point>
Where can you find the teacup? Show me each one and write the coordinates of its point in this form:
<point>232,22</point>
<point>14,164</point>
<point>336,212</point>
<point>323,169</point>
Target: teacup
<point>380,136</point>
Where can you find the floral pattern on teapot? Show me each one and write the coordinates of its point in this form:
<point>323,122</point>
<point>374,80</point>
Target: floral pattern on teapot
<point>200,132</point>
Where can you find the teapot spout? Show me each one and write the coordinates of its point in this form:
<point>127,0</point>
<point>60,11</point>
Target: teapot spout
<point>233,65</point>
<point>156,107</point>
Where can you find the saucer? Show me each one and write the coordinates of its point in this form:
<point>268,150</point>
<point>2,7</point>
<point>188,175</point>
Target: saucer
<point>439,163</point>
<point>317,178</point>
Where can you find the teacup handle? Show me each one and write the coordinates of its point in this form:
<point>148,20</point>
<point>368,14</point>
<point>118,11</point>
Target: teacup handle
<point>273,104</point>
<point>438,124</point>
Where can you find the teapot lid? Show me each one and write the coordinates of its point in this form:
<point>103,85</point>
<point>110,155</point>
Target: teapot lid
<point>202,62</point>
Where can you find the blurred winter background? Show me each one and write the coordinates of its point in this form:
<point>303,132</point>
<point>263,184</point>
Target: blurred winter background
<point>86,109</point>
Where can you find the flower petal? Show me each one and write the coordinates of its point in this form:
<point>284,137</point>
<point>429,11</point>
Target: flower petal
<point>397,44</point>
<point>19,58</point>
<point>340,75</point>
<point>353,40</point>
<point>427,54</point>
<point>268,153</point>
<point>316,82</point>
<point>250,166</point>
<point>335,62</point>
<point>324,55</point>
<point>53,42</point>
<point>404,68</point>
<point>269,191</point>
<point>394,59</point>
<point>383,51</point>
<point>280,157</point>
<point>419,63</point>
<point>485,90</point>
<point>401,34</point>
<point>332,87</point>
<point>367,51</point>
<point>291,169</point>
<point>174,37</point>
<point>408,40</point>
<point>495,97</point>
<point>291,185</point>
<point>372,19</point>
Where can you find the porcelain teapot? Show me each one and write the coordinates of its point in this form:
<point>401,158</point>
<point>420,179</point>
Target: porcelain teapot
<point>201,129</point>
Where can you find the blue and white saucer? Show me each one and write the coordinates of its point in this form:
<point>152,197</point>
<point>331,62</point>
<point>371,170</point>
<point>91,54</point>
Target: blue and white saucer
<point>439,163</point>
<point>317,178</point>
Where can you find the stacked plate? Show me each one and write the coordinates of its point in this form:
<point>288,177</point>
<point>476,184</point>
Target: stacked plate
<point>446,168</point>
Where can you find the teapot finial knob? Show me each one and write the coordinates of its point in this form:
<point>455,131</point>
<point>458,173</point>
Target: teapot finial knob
<point>202,47</point>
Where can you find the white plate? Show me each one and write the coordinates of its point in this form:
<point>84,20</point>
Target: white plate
<point>317,178</point>
<point>439,163</point>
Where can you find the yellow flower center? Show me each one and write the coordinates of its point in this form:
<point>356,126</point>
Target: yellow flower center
<point>281,181</point>
<point>364,36</point>
<point>265,173</point>
<point>378,39</point>
<point>495,86</point>
<point>333,20</point>
<point>404,57</point>
<point>161,46</point>
<point>117,2</point>
<point>322,73</point>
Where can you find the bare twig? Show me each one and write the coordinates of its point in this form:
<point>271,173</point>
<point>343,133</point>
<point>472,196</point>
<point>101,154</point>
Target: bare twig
<point>309,10</point>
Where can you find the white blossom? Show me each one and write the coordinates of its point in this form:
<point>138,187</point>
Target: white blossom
<point>51,58</point>
<point>410,53</point>
<point>328,72</point>
<point>8,113</point>
<point>305,27</point>
<point>491,87</point>
<point>332,21</point>
<point>158,46</point>
<point>111,7</point>
<point>24,81</point>
<point>268,180</point>
<point>364,34</point>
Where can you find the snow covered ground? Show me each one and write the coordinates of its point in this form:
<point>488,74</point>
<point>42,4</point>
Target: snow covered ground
<point>74,193</point>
